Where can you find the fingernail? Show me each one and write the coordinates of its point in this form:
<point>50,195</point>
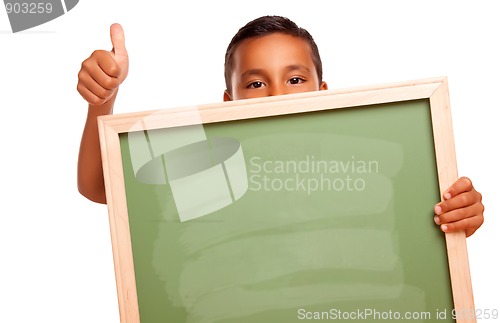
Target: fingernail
<point>447,196</point>
<point>437,220</point>
<point>437,209</point>
<point>444,228</point>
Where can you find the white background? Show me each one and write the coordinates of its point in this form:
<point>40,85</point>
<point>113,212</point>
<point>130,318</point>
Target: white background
<point>55,252</point>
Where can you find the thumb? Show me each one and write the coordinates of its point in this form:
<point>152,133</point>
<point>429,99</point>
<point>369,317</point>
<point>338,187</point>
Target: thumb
<point>118,41</point>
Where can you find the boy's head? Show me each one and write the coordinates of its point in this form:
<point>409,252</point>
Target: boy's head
<point>271,55</point>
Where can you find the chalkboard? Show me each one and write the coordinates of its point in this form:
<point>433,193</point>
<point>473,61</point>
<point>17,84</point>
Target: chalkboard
<point>306,206</point>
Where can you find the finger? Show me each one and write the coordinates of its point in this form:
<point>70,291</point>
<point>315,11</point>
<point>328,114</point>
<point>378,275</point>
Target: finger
<point>474,224</point>
<point>98,82</point>
<point>86,81</point>
<point>460,201</point>
<point>99,91</point>
<point>118,40</point>
<point>469,225</point>
<point>463,184</point>
<point>459,214</point>
<point>90,97</point>
<point>104,80</point>
<point>101,61</point>
<point>102,67</point>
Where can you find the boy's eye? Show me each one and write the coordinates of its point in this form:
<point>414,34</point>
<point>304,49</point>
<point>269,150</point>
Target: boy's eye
<point>296,80</point>
<point>255,85</point>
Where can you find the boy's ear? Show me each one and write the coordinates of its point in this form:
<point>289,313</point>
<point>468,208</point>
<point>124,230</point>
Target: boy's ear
<point>227,96</point>
<point>323,86</point>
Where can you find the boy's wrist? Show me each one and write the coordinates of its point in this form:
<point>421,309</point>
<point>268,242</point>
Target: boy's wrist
<point>102,109</point>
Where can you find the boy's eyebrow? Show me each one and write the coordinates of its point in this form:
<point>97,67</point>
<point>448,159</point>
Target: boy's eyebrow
<point>298,67</point>
<point>254,71</point>
<point>289,68</point>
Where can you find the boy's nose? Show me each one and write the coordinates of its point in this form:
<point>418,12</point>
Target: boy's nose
<point>276,89</point>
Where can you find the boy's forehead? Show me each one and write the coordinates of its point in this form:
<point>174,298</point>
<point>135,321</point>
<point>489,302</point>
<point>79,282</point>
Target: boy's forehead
<point>273,49</point>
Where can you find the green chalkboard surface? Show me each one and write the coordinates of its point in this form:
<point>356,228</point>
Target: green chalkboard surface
<point>315,215</point>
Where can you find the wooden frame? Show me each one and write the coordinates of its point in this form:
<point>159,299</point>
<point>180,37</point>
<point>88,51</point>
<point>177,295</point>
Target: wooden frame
<point>436,90</point>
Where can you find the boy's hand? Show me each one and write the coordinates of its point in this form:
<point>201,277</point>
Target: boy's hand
<point>104,71</point>
<point>461,209</point>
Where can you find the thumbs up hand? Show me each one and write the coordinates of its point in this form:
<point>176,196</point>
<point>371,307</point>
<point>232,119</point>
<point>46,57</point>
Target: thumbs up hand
<point>102,73</point>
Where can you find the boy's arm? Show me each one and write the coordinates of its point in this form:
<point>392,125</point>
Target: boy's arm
<point>90,173</point>
<point>98,82</point>
<point>462,208</point>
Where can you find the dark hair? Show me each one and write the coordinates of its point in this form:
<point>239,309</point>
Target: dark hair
<point>264,26</point>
